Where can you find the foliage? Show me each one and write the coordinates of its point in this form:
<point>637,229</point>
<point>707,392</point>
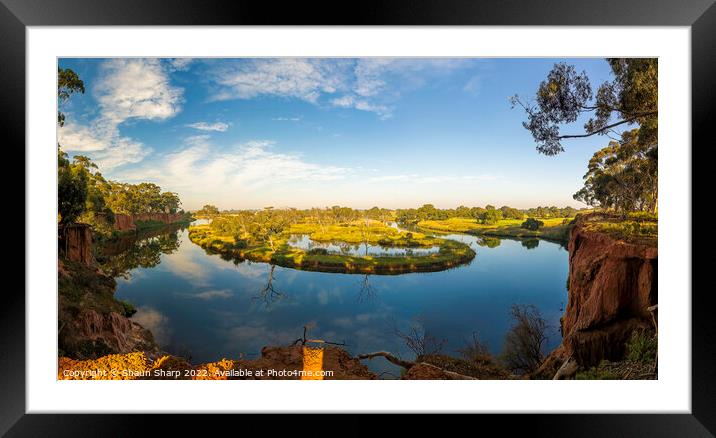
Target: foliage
<point>622,176</point>
<point>68,83</point>
<point>129,308</point>
<point>532,224</point>
<point>565,96</point>
<point>71,189</point>
<point>596,373</point>
<point>641,347</point>
<point>208,210</point>
<point>522,351</point>
<point>85,195</point>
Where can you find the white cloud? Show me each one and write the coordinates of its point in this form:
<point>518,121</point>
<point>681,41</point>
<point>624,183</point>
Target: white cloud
<point>210,294</point>
<point>304,79</point>
<point>365,84</point>
<point>202,172</point>
<point>136,88</point>
<point>180,64</point>
<point>126,89</point>
<point>204,126</point>
<point>287,119</point>
<point>472,86</point>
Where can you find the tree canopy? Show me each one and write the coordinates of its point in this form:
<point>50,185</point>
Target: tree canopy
<point>631,97</point>
<point>623,175</point>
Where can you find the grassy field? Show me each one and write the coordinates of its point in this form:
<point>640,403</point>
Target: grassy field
<point>553,229</point>
<point>372,232</point>
<point>640,228</point>
<point>450,254</point>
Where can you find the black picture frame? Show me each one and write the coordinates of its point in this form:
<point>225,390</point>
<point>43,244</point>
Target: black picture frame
<point>700,15</point>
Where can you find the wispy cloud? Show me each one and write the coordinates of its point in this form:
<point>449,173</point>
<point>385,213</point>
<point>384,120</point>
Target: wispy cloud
<point>432,179</point>
<point>205,126</point>
<point>473,85</point>
<point>126,89</point>
<point>242,171</point>
<point>364,84</point>
<point>287,119</point>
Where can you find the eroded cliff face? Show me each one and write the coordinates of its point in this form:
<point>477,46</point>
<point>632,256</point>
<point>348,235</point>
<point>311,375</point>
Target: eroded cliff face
<point>91,322</point>
<point>75,243</point>
<point>611,284</point>
<point>126,222</point>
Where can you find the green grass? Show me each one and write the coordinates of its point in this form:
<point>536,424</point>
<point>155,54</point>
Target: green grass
<point>596,373</point>
<point>641,347</point>
<point>450,254</point>
<point>553,229</point>
<point>635,227</point>
<point>372,232</point>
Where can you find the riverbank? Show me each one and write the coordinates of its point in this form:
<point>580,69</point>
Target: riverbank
<point>554,229</point>
<point>278,251</point>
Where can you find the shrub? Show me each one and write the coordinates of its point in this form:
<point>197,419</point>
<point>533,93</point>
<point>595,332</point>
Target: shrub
<point>476,351</point>
<point>318,251</point>
<point>641,347</point>
<point>128,308</point>
<point>532,224</point>
<point>595,373</point>
<point>522,352</point>
<point>240,243</point>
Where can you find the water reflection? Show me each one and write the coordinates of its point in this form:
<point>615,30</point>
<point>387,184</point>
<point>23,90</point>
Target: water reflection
<point>304,242</point>
<point>143,250</point>
<point>269,294</point>
<point>212,308</point>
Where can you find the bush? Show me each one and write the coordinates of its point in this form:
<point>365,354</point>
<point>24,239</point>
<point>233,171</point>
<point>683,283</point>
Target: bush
<point>595,373</point>
<point>318,251</point>
<point>532,224</point>
<point>240,243</point>
<point>128,308</point>
<point>641,347</point>
<point>522,352</point>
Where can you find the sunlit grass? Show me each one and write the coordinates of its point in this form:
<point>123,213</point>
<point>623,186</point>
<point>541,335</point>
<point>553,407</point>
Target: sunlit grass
<point>450,253</point>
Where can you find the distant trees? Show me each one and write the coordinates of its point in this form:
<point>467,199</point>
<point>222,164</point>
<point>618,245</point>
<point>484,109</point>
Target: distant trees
<point>208,210</point>
<point>487,215</point>
<point>491,216</point>
<point>85,195</point>
<point>532,224</point>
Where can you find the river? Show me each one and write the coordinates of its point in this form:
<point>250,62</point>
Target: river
<point>201,306</point>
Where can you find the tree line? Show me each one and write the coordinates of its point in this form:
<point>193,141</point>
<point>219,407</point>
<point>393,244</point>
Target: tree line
<point>84,195</point>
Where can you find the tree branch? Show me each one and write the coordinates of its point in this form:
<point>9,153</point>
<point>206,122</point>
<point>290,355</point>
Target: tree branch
<point>392,359</point>
<point>608,127</point>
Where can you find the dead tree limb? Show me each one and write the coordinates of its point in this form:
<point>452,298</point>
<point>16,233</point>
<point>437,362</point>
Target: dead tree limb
<point>389,357</point>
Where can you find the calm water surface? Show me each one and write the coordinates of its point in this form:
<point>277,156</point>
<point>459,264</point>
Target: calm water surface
<point>204,307</point>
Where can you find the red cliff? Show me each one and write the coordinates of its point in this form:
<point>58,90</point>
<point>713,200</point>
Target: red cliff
<point>75,243</point>
<point>611,284</point>
<point>126,222</point>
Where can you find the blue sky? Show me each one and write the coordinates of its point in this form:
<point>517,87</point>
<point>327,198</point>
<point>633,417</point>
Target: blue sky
<point>396,133</point>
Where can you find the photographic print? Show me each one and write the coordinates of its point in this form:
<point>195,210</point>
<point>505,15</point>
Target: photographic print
<point>357,218</point>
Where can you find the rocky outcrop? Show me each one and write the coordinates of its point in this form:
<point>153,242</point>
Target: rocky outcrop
<point>612,284</point>
<point>92,323</point>
<point>92,333</point>
<point>75,243</point>
<point>126,222</point>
